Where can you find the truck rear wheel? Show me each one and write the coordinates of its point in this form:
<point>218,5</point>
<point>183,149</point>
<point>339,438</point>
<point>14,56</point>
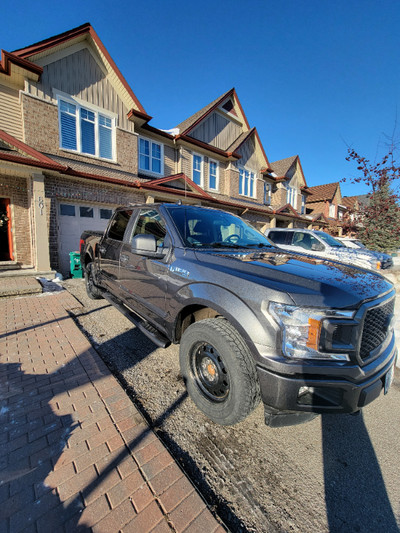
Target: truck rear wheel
<point>92,291</point>
<point>219,371</point>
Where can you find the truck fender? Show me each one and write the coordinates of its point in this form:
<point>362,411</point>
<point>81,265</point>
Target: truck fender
<point>231,307</point>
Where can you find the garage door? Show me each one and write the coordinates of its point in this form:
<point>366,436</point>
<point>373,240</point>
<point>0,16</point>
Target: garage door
<point>73,219</point>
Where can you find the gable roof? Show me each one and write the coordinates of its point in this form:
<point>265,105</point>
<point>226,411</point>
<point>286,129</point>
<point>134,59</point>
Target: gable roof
<point>187,125</point>
<point>282,166</point>
<point>355,201</point>
<point>324,192</point>
<point>62,40</point>
<point>287,209</point>
<point>181,177</point>
<point>319,216</point>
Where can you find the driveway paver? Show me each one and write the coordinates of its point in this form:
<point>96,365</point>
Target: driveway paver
<point>76,455</point>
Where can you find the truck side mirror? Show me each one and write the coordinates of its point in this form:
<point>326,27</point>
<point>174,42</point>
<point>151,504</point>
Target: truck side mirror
<point>317,247</point>
<point>146,245</point>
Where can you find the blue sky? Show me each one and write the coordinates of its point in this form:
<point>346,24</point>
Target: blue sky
<point>314,76</point>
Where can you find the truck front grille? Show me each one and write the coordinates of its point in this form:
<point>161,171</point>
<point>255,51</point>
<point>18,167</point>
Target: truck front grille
<point>375,328</point>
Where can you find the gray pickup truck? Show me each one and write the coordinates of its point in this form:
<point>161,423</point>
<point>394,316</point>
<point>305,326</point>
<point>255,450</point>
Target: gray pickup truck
<point>302,334</point>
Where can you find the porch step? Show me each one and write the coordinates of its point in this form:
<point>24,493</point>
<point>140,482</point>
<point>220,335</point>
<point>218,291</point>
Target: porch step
<point>16,270</point>
<point>18,286</point>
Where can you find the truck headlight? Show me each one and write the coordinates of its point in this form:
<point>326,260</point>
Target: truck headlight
<point>301,330</point>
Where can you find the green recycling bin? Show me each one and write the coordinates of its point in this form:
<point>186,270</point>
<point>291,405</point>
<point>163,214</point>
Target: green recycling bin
<point>75,264</point>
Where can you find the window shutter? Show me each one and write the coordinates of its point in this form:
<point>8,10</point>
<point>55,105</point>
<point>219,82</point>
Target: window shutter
<point>68,131</point>
<point>105,142</point>
<point>87,132</point>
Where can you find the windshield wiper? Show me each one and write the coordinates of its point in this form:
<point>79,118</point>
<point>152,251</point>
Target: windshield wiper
<point>259,245</point>
<point>223,245</point>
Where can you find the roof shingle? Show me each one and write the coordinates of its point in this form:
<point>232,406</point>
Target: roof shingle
<point>320,193</point>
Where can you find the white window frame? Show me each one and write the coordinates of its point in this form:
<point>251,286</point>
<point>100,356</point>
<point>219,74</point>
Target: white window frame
<point>332,211</point>
<point>151,143</point>
<point>80,104</point>
<point>267,199</point>
<point>213,161</point>
<point>303,204</point>
<point>291,196</point>
<point>246,187</point>
<point>194,155</point>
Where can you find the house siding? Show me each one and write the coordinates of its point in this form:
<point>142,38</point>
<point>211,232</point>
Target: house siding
<point>169,160</point>
<point>249,158</point>
<point>217,130</point>
<point>80,75</point>
<point>10,112</point>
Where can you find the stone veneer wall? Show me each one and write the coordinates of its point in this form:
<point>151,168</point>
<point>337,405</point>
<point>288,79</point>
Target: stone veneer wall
<point>80,190</point>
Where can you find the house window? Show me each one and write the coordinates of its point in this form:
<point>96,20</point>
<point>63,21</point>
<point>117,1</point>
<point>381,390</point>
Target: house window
<point>332,210</point>
<point>86,212</point>
<point>246,182</point>
<point>105,214</point>
<point>85,130</point>
<point>67,210</point>
<point>267,193</point>
<point>291,196</point>
<point>197,170</point>
<point>303,204</point>
<point>150,156</point>
<point>213,175</point>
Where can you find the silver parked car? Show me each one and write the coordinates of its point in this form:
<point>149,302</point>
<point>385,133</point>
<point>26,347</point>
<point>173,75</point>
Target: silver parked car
<point>385,259</point>
<point>321,244</point>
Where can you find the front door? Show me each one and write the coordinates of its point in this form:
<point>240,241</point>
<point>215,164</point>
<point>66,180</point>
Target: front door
<point>6,248</point>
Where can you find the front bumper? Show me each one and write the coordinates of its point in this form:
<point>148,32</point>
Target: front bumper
<point>314,392</point>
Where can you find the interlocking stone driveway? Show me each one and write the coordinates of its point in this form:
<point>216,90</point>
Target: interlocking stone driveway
<point>75,453</point>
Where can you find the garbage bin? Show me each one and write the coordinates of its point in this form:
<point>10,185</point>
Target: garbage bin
<point>75,264</point>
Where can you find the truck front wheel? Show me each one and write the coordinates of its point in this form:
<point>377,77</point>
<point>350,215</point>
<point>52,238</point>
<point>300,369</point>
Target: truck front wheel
<point>92,291</point>
<point>219,371</point>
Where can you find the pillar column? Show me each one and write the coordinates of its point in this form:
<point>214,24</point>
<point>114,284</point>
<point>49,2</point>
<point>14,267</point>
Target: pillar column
<point>40,232</point>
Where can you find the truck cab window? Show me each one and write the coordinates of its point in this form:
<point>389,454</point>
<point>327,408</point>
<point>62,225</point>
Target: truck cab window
<point>118,224</point>
<point>149,222</point>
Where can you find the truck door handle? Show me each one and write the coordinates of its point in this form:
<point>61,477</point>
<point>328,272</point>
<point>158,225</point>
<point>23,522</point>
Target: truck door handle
<point>123,258</point>
<point>102,249</point>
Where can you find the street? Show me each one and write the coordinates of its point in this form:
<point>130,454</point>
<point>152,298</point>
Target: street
<point>335,473</point>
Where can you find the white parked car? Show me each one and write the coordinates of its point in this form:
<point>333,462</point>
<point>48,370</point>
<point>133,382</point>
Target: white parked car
<point>321,244</point>
<point>385,259</point>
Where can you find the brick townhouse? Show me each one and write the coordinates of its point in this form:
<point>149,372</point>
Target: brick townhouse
<point>326,202</point>
<point>75,142</point>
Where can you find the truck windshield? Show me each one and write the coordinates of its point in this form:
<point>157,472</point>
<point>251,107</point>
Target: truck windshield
<point>203,227</point>
<point>330,240</point>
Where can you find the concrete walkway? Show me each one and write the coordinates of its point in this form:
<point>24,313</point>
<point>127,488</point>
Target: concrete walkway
<point>75,453</point>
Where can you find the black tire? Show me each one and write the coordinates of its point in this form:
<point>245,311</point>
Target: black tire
<point>219,371</point>
<point>92,290</point>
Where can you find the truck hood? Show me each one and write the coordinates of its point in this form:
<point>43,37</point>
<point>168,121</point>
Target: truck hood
<point>307,280</point>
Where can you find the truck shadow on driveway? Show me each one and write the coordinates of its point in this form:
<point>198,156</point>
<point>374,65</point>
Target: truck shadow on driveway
<point>355,491</point>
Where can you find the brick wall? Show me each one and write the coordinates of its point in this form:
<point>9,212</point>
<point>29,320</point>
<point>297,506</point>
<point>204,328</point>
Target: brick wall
<point>41,132</point>
<point>59,189</point>
<point>278,197</point>
<point>17,190</point>
<point>317,207</point>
